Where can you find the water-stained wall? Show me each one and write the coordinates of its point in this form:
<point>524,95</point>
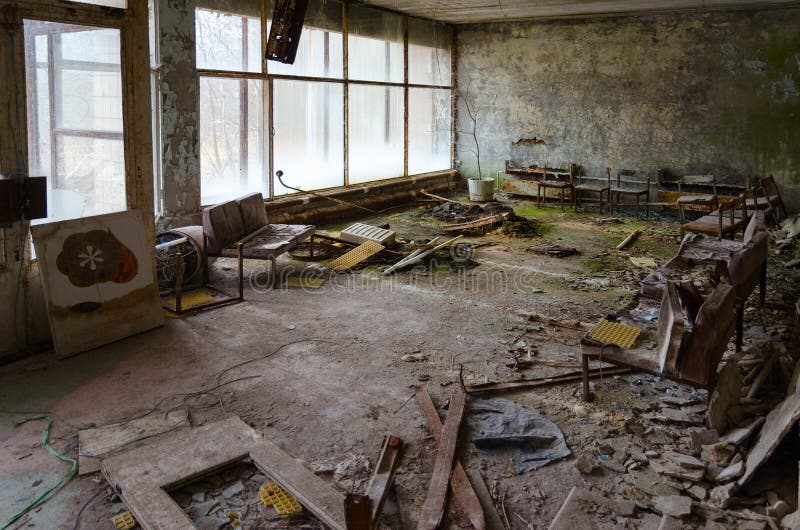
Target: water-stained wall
<point>713,92</point>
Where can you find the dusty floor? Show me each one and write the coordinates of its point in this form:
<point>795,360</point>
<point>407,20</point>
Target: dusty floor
<point>336,384</point>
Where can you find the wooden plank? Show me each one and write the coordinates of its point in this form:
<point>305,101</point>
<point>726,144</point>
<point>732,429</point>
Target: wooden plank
<point>544,381</point>
<point>141,476</point>
<point>492,516</point>
<point>98,442</point>
<point>466,499</point>
<point>433,509</point>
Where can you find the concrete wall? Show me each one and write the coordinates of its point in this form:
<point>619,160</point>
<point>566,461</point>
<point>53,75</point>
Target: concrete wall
<point>714,92</point>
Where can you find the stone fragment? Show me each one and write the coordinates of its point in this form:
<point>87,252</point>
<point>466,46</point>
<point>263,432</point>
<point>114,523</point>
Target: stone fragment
<point>235,489</point>
<point>586,464</point>
<point>658,436</point>
<point>651,454</point>
<point>686,461</point>
<point>698,492</point>
<point>779,510</point>
<point>701,437</point>
<point>626,508</point>
<point>720,497</point>
<point>672,469</point>
<point>719,453</point>
<point>673,505</point>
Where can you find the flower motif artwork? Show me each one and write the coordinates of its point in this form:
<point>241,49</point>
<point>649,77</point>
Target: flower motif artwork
<point>97,256</point>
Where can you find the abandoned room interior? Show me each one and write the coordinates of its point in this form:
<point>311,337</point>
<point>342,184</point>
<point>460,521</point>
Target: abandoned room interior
<point>360,264</point>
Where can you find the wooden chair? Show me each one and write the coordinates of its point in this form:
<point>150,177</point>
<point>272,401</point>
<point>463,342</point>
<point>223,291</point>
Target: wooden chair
<point>688,350</point>
<point>723,222</point>
<point>601,189</point>
<point>630,189</point>
<point>743,265</point>
<point>767,197</point>
<point>563,187</point>
<point>706,201</point>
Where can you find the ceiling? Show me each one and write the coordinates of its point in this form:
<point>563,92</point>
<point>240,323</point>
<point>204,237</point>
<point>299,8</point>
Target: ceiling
<point>474,11</point>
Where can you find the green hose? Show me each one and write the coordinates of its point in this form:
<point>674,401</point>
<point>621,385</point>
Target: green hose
<point>44,496</point>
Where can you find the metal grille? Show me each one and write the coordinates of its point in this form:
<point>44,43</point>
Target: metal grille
<point>355,256</point>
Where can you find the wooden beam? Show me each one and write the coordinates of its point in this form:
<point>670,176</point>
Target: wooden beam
<point>465,497</point>
<point>433,509</point>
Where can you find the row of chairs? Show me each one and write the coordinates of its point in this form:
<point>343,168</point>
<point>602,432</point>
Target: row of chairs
<point>631,188</point>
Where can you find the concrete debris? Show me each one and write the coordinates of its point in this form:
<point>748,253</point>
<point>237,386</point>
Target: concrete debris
<point>720,497</point>
<point>673,505</point>
<point>731,472</point>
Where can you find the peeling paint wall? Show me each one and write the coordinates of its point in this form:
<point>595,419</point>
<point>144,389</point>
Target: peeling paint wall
<point>716,92</point>
<point>179,116</point>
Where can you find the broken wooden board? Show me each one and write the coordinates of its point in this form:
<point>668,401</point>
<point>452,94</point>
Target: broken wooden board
<point>779,422</point>
<point>434,507</point>
<point>477,223</point>
<point>99,442</point>
<point>544,381</point>
<point>383,477</point>
<point>464,495</point>
<point>141,476</point>
<point>492,516</point>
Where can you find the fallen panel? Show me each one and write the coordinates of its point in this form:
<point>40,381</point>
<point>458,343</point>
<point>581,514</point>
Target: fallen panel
<point>141,476</point>
<point>355,256</point>
<point>779,422</point>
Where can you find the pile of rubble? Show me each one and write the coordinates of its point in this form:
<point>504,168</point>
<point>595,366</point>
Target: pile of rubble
<point>457,212</point>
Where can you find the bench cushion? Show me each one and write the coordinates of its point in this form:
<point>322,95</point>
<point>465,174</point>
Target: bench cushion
<point>271,242</point>
<point>223,226</point>
<point>253,212</point>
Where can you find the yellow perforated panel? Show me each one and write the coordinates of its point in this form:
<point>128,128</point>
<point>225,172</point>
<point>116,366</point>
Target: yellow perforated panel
<point>355,256</point>
<point>607,332</point>
<point>272,495</point>
<point>643,262</point>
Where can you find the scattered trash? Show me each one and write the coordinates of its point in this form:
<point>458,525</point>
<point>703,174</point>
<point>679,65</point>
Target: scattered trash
<point>124,521</point>
<point>284,503</point>
<point>628,240</point>
<point>557,251</point>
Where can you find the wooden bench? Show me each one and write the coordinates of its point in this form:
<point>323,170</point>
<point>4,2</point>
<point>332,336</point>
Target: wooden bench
<point>240,229</point>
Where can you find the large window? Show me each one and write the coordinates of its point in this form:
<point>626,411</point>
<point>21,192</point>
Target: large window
<point>75,117</point>
<point>251,108</point>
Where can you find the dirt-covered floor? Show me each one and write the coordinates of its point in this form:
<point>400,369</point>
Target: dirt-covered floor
<point>332,380</point>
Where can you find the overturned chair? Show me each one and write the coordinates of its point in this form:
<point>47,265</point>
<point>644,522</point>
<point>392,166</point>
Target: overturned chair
<point>690,337</point>
<point>743,265</point>
<point>240,229</point>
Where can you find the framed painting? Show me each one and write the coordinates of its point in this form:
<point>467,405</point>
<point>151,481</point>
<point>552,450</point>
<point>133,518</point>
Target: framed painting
<point>99,280</point>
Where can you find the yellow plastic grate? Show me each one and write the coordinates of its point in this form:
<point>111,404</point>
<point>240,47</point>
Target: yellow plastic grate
<point>644,262</point>
<point>607,332</point>
<point>124,521</point>
<point>355,256</point>
<point>272,495</point>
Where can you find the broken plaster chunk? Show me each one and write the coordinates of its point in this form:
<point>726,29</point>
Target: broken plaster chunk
<point>687,461</point>
<point>731,472</point>
<point>673,505</point>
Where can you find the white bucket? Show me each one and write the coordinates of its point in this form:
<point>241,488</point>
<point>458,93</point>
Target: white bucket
<point>481,190</point>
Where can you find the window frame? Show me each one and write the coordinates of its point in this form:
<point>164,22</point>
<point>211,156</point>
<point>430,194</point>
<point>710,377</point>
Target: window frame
<point>268,79</point>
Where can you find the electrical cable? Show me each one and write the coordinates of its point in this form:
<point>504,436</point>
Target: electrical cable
<point>85,505</point>
<point>44,496</point>
<point>279,174</point>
